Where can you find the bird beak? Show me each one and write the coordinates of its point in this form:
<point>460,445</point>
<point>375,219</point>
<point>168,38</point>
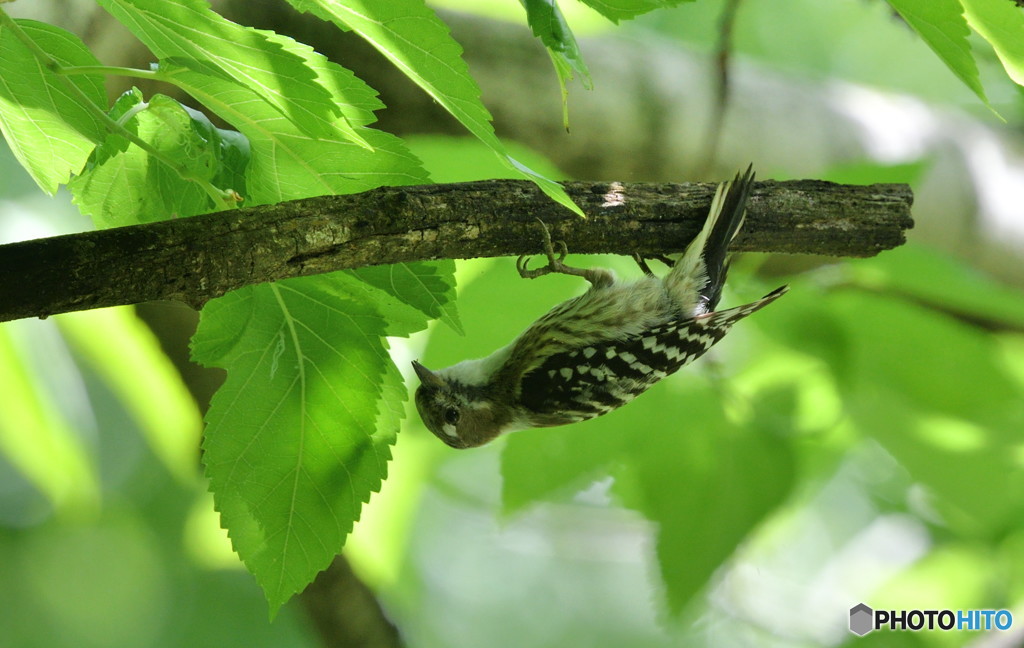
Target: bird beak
<point>427,377</point>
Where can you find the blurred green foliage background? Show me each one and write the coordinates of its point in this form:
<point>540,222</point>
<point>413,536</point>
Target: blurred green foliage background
<point>859,440</point>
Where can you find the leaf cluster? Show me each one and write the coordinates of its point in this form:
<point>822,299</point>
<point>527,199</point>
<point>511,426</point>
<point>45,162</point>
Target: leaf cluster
<point>300,434</point>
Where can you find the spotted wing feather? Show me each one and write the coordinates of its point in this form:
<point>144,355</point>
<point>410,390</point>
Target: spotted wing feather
<point>582,383</point>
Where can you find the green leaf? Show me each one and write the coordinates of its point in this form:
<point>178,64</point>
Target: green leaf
<point>412,37</point>
<point>125,185</point>
<point>427,287</point>
<point>616,10</point>
<point>47,127</point>
<point>451,158</point>
<point>706,482</point>
<point>269,65</point>
<point>288,164</point>
<point>329,425</point>
<point>867,172</point>
<point>1001,23</point>
<point>548,24</point>
<point>298,437</point>
<point>942,25</point>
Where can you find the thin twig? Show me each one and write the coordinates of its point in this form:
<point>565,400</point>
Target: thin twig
<point>723,54</point>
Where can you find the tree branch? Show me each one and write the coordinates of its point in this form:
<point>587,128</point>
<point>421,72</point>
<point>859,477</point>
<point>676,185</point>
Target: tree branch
<point>196,259</point>
<point>345,611</point>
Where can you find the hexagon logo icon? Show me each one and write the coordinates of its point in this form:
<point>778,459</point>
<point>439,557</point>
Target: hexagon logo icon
<point>861,619</point>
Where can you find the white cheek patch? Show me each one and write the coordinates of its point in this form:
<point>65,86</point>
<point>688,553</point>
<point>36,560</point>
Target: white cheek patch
<point>449,430</point>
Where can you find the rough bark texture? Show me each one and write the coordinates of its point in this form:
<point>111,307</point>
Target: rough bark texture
<point>653,103</point>
<point>196,259</point>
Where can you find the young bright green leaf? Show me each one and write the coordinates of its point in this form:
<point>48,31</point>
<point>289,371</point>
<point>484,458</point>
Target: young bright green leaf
<point>298,437</point>
<point>456,158</point>
<point>942,26</point>
<point>288,164</point>
<point>1001,23</point>
<point>49,130</point>
<point>548,24</point>
<point>138,371</point>
<point>616,10</point>
<point>125,185</point>
<point>269,65</point>
<point>412,37</point>
<point>333,422</point>
<point>325,431</point>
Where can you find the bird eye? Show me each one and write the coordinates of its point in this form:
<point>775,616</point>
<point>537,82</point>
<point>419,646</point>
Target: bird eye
<point>451,416</point>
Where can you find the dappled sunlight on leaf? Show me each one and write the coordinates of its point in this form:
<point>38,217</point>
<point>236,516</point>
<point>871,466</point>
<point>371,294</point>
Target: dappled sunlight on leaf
<point>291,447</point>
